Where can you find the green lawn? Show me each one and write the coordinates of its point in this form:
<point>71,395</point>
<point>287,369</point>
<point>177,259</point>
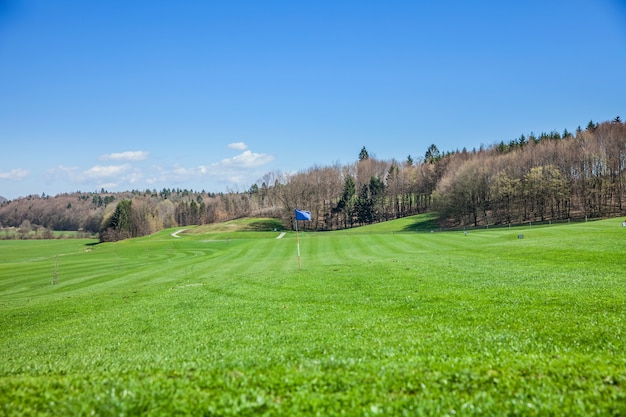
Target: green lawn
<point>388,319</point>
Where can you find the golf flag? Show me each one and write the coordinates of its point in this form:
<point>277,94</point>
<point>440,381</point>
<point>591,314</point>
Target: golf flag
<point>303,215</point>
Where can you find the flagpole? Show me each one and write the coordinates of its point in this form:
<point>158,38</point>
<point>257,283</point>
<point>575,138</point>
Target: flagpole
<point>300,215</point>
<point>298,243</point>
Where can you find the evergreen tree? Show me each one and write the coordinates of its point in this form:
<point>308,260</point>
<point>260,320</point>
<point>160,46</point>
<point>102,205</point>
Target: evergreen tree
<point>432,154</point>
<point>119,225</point>
<point>591,126</point>
<point>346,204</point>
<point>363,206</point>
<point>121,217</point>
<point>363,155</point>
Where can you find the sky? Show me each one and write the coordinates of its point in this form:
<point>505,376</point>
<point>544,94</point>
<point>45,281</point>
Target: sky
<point>212,95</point>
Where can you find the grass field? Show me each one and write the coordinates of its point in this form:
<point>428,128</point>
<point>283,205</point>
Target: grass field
<point>387,319</point>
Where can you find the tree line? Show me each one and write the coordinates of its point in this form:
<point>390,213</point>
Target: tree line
<point>114,216</point>
<point>550,176</point>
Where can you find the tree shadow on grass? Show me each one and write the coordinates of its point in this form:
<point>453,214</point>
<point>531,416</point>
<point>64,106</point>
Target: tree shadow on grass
<point>423,223</point>
<point>265,225</point>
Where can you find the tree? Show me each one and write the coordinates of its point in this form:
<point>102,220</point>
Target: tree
<point>167,213</point>
<point>145,218</point>
<point>363,155</point>
<point>347,201</point>
<point>25,227</point>
<point>463,192</point>
<point>367,206</point>
<point>432,154</point>
<point>119,226</point>
<point>503,192</point>
<point>545,188</point>
<point>591,126</point>
<point>363,206</point>
<point>377,197</point>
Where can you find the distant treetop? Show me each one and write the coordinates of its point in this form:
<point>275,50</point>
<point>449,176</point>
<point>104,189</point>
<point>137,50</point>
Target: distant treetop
<point>363,155</point>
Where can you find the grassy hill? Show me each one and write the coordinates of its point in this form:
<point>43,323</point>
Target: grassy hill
<point>383,319</point>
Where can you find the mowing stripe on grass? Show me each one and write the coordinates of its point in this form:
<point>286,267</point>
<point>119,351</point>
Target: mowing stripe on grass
<point>375,322</point>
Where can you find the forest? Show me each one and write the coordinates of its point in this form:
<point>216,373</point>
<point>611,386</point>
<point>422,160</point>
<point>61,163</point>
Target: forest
<point>536,178</point>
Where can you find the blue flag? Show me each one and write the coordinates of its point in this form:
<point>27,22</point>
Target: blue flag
<point>303,215</point>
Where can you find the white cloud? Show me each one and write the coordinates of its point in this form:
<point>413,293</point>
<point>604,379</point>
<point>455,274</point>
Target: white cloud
<point>246,159</point>
<point>70,172</point>
<point>134,177</point>
<point>125,156</point>
<point>240,170</point>
<point>14,174</point>
<point>108,185</point>
<point>240,146</point>
<point>108,171</point>
<point>187,172</point>
<point>109,177</point>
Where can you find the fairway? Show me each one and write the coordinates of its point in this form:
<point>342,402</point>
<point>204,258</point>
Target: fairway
<point>388,319</point>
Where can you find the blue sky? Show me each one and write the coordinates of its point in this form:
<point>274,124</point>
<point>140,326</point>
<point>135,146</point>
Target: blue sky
<point>211,95</point>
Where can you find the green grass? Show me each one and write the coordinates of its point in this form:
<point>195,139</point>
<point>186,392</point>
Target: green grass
<point>379,320</point>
